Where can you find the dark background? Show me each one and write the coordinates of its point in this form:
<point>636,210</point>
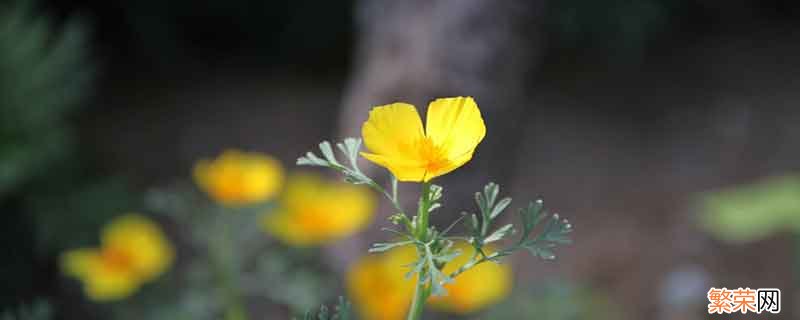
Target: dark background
<point>617,112</point>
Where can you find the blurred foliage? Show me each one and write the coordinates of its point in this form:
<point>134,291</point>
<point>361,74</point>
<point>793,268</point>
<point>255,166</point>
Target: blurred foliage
<point>558,300</point>
<point>752,212</point>
<point>69,212</point>
<point>227,254</point>
<point>49,197</point>
<point>342,311</point>
<point>38,310</point>
<point>45,75</point>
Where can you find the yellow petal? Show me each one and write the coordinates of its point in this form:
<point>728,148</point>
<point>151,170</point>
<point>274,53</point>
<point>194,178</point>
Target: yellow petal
<point>77,263</point>
<point>392,134</point>
<point>455,125</point>
<point>407,170</point>
<point>313,211</point>
<point>141,240</point>
<point>101,281</point>
<point>393,130</point>
<point>238,178</point>
<point>107,284</point>
<point>448,166</point>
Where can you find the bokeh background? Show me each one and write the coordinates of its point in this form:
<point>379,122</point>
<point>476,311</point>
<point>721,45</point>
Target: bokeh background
<point>622,115</point>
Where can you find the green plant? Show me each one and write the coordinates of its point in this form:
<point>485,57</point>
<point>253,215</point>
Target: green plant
<point>540,232</point>
<point>45,77</point>
<point>342,311</point>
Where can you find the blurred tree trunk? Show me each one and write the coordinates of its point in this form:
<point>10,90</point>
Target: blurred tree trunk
<point>419,50</point>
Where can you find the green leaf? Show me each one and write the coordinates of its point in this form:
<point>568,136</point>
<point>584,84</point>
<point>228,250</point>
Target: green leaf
<point>531,216</point>
<point>473,225</point>
<point>544,252</point>
<point>490,191</point>
<point>310,159</point>
<point>445,258</point>
<point>499,208</point>
<point>500,233</point>
<point>350,148</point>
<point>554,232</point>
<point>382,246</point>
<point>327,152</point>
<point>435,193</point>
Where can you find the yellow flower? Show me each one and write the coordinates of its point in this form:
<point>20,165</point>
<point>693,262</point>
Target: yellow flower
<point>133,251</point>
<point>312,211</point>
<point>238,178</point>
<point>378,286</point>
<point>476,288</point>
<point>395,137</point>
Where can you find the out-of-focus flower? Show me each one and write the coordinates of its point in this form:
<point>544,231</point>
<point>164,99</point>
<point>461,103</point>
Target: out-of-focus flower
<point>237,178</point>
<point>312,211</point>
<point>378,286</point>
<point>397,141</point>
<point>479,287</point>
<point>133,251</point>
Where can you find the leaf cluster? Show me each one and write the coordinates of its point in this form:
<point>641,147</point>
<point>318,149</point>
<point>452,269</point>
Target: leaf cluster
<point>350,147</point>
<point>45,75</point>
<point>541,244</point>
<point>342,311</point>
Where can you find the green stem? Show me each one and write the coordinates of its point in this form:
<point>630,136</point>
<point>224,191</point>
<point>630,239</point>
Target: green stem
<point>423,214</point>
<point>421,291</point>
<point>421,294</point>
<point>472,263</point>
<point>228,267</point>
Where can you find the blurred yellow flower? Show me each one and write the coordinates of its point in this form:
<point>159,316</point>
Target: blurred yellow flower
<point>133,251</point>
<point>312,211</point>
<point>237,178</point>
<point>397,141</point>
<point>378,286</point>
<point>481,286</point>
<point>379,289</point>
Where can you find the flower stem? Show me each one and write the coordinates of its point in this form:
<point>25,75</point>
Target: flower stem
<point>421,294</point>
<point>228,267</point>
<point>421,291</point>
<point>423,213</point>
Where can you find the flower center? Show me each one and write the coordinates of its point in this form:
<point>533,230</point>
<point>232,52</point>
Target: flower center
<point>117,260</point>
<point>315,221</point>
<point>230,185</point>
<point>433,155</point>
